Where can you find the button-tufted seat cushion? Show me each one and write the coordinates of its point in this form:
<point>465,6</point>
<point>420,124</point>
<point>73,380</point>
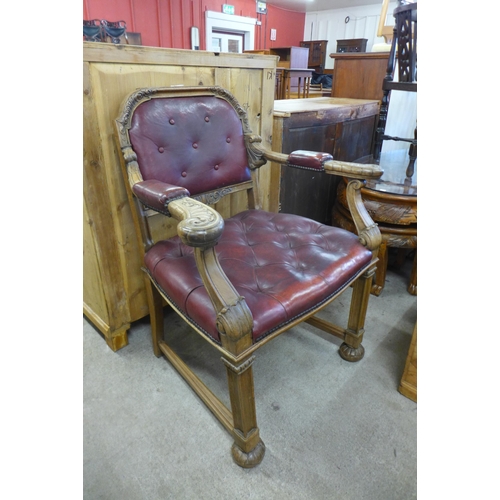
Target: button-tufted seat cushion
<point>282,264</point>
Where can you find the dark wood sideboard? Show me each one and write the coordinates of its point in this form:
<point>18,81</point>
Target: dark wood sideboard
<point>342,127</point>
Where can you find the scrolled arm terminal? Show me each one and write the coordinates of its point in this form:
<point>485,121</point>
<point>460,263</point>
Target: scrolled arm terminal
<point>353,170</point>
<point>200,226</point>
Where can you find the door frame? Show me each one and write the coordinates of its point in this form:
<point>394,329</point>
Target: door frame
<point>226,22</point>
<point>226,34</point>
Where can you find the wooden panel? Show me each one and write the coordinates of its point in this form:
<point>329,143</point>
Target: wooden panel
<point>354,138</point>
<point>359,76</point>
<point>116,293</point>
<point>92,287</point>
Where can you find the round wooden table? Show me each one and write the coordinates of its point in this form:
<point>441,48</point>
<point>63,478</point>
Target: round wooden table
<point>392,203</point>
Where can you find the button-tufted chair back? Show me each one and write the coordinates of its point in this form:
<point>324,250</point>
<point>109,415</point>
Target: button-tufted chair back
<point>192,142</point>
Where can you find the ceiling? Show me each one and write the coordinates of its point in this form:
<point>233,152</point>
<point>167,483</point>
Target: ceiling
<point>314,5</point>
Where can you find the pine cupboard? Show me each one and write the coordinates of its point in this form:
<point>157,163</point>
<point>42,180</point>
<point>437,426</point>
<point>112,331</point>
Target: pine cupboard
<point>113,289</point>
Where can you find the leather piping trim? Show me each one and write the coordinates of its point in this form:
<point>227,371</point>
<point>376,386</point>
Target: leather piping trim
<point>306,168</point>
<point>164,212</point>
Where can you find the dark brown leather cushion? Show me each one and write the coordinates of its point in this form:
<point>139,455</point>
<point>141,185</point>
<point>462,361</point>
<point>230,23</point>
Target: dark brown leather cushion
<point>310,160</point>
<point>157,195</point>
<point>191,142</point>
<point>282,264</point>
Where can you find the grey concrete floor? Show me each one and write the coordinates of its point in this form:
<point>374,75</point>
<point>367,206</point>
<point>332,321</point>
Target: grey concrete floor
<point>332,429</point>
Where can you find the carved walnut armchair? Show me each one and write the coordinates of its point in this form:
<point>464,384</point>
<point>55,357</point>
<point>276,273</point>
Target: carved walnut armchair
<point>243,281</point>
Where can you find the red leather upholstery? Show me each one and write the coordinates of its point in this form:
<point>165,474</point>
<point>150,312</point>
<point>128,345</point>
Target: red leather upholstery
<point>308,160</point>
<point>191,142</point>
<point>282,264</point>
<point>157,195</point>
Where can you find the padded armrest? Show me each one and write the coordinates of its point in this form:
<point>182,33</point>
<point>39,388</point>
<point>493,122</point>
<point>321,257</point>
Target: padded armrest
<point>308,160</point>
<point>157,195</point>
<point>324,162</point>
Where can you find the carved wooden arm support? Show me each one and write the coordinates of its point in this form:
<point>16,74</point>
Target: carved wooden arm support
<point>353,170</point>
<point>201,227</point>
<point>368,231</point>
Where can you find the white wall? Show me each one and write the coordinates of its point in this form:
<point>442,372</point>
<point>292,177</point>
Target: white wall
<point>363,23</point>
<point>330,25</point>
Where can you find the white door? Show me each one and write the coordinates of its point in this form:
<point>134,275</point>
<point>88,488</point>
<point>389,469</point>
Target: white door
<point>227,42</point>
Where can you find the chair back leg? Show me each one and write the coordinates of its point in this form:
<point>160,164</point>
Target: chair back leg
<point>155,304</point>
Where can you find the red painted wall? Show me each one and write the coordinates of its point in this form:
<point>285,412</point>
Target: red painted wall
<point>167,23</point>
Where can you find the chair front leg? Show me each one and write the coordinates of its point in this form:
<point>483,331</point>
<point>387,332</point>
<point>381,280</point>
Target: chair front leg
<point>248,449</point>
<point>351,349</point>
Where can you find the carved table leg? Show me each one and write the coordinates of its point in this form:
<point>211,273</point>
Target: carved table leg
<point>381,271</point>
<point>248,449</point>
<point>412,287</point>
<point>351,349</point>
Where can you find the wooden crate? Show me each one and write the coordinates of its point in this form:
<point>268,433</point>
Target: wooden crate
<point>113,287</point>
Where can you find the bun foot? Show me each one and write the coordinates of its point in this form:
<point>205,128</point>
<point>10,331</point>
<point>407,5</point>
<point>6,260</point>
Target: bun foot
<point>251,459</point>
<point>351,353</point>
